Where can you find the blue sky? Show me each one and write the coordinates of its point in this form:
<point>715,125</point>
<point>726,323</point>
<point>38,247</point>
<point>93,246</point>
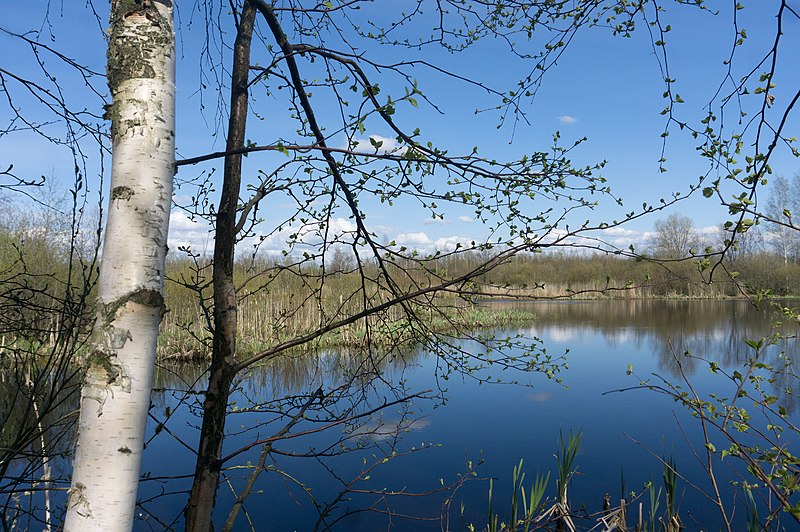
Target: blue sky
<point>608,89</point>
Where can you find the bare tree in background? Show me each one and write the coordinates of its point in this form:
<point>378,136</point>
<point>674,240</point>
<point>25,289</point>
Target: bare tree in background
<point>674,238</point>
<point>747,244</point>
<point>782,205</point>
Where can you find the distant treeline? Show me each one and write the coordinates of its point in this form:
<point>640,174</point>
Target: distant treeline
<point>280,300</point>
<point>45,278</point>
<point>603,275</point>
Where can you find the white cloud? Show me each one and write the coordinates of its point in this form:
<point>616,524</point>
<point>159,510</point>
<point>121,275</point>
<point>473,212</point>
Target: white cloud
<point>622,238</point>
<point>413,240</point>
<point>197,235</point>
<point>185,232</point>
<point>567,119</point>
<point>449,243</point>
<point>610,239</point>
<point>386,145</point>
<point>620,231</point>
<point>423,243</point>
<point>710,230</point>
<point>307,235</point>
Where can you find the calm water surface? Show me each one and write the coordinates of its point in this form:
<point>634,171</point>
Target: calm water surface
<point>623,433</point>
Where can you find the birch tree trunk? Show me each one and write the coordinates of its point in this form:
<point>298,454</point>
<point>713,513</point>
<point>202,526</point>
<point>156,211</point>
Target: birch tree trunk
<point>116,390</point>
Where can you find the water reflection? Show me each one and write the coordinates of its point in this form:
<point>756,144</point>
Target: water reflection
<point>669,338</point>
<point>707,330</point>
<point>38,406</point>
<point>712,330</point>
<point>381,429</point>
<point>500,423</point>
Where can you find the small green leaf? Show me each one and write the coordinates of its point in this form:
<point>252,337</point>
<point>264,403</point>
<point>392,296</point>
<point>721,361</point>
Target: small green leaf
<point>753,344</point>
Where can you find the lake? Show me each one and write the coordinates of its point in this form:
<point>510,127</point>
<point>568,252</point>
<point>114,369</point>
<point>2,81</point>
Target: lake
<point>408,440</point>
<point>424,445</point>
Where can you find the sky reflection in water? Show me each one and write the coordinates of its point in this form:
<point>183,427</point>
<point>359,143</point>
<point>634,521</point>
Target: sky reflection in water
<point>623,433</point>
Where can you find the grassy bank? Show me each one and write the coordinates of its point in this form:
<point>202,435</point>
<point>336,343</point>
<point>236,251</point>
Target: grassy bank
<point>259,331</point>
<point>280,301</point>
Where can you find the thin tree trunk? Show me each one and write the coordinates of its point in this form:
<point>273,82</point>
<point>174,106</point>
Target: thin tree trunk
<point>116,391</point>
<point>206,478</point>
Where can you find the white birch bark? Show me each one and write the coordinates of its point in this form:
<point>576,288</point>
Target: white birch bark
<point>116,392</point>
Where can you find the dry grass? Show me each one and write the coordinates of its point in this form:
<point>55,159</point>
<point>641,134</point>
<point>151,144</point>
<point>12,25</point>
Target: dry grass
<point>280,301</point>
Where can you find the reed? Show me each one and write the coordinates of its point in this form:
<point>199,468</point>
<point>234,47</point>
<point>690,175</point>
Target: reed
<point>280,302</point>
<point>534,510</point>
<point>280,299</point>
